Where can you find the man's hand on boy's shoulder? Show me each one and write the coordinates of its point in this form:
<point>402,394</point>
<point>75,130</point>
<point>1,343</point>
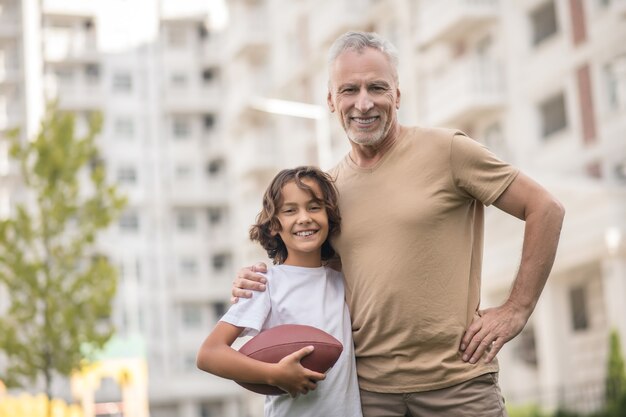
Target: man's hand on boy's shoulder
<point>248,279</point>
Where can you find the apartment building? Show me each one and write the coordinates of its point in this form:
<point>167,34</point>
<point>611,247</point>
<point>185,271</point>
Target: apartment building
<point>540,82</point>
<point>156,77</point>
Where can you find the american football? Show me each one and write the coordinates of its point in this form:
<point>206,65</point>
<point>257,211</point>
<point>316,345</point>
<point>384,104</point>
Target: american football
<point>274,344</point>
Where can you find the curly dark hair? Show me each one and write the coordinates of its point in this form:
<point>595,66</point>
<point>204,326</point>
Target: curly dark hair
<point>267,224</point>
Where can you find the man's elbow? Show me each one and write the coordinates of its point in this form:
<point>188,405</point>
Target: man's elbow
<point>555,210</point>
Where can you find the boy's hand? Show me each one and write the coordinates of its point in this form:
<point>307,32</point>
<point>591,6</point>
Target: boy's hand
<point>292,377</point>
<point>248,279</point>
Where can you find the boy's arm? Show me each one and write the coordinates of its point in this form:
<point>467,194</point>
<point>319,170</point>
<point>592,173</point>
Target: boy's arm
<point>218,358</point>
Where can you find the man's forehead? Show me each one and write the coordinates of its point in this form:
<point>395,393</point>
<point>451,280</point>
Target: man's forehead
<point>353,66</point>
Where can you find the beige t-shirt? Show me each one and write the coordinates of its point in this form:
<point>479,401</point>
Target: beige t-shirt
<point>411,249</point>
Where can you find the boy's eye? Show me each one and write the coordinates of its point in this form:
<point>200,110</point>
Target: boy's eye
<point>315,208</point>
<point>287,211</point>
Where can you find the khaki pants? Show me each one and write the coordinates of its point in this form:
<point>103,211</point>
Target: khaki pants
<point>478,397</point>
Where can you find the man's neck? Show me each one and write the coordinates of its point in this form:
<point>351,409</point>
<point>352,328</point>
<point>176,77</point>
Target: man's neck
<point>369,156</point>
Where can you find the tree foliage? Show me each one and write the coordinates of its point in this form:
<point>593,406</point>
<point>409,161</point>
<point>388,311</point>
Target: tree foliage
<point>58,286</point>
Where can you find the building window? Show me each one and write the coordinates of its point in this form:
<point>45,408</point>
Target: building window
<point>219,309</point>
<point>182,172</point>
<point>615,81</point>
<point>208,121</point>
<point>92,73</point>
<point>124,128</point>
<point>127,175</point>
<point>176,37</point>
<point>215,167</point>
<point>129,222</point>
<point>180,128</point>
<point>122,82</point>
<point>208,75</point>
<point>188,267</point>
<point>553,115</point>
<point>65,76</point>
<point>544,22</point>
<point>525,348</point>
<point>578,306</point>
<point>215,215</point>
<point>192,316</point>
<point>178,80</point>
<point>220,261</point>
<point>186,221</point>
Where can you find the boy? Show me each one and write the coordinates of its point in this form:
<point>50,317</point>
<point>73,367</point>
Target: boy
<point>298,217</point>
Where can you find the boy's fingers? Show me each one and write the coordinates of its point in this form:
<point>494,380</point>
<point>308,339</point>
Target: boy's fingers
<point>299,354</point>
<point>259,267</point>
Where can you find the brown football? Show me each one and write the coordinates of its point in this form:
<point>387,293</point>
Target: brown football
<point>273,344</point>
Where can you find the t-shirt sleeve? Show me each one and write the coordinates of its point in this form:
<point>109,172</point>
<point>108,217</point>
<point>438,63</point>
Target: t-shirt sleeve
<point>477,172</point>
<point>250,313</point>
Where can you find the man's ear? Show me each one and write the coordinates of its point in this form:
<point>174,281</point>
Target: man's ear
<point>398,95</point>
<point>329,101</point>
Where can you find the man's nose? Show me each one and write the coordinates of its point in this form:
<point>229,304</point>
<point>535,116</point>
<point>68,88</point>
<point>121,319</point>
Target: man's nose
<point>364,102</point>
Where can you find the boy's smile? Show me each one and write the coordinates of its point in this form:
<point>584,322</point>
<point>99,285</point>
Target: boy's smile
<point>304,224</point>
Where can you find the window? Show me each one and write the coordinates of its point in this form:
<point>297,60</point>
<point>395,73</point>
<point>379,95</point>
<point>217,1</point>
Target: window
<point>553,115</point>
<point>180,128</point>
<point>178,80</point>
<point>219,308</point>
<point>176,37</point>
<point>215,215</point>
<point>215,167</point>
<point>192,316</point>
<point>209,121</point>
<point>127,175</point>
<point>525,348</point>
<point>65,76</point>
<point>124,127</point>
<point>122,82</point>
<point>92,73</point>
<point>578,306</point>
<point>203,32</point>
<point>186,221</point>
<point>220,261</point>
<point>544,22</point>
<point>182,172</point>
<point>208,75</point>
<point>615,81</point>
<point>129,222</point>
<point>188,267</point>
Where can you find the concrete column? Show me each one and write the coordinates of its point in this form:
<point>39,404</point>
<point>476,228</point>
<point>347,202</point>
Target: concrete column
<point>549,345</point>
<point>614,288</point>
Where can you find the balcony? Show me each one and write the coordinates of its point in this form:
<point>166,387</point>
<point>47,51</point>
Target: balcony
<point>335,17</point>
<point>249,35</point>
<point>466,90</point>
<point>256,154</point>
<point>9,74</point>
<point>200,192</point>
<point>69,8</point>
<point>70,44</point>
<point>201,99</point>
<point>449,20</point>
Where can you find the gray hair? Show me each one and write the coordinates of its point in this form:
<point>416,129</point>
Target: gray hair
<point>358,41</point>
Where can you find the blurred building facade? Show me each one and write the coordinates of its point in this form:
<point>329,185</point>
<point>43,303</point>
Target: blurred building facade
<point>156,78</point>
<point>541,82</point>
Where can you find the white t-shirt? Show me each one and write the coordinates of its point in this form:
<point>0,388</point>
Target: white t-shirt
<point>314,297</point>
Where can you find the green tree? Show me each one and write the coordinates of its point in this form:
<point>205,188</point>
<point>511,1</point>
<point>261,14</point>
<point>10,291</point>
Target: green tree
<point>615,383</point>
<point>58,286</point>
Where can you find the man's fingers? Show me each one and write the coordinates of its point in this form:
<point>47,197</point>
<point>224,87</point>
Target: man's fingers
<point>470,333</point>
<point>493,351</point>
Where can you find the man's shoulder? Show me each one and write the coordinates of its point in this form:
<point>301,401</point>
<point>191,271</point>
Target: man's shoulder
<point>433,133</point>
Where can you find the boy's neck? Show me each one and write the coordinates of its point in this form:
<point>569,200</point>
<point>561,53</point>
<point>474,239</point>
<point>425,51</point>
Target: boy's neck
<point>313,262</point>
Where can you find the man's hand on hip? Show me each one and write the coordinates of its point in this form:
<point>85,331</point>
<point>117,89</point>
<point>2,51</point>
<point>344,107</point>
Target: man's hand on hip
<point>491,330</point>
